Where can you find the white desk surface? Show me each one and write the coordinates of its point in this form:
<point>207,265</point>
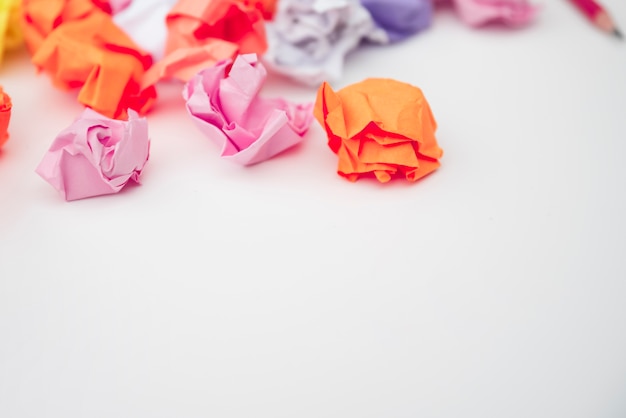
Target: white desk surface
<point>495,287</point>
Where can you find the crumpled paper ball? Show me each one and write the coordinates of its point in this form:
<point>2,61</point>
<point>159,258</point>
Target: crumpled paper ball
<point>193,23</point>
<point>400,18</point>
<point>41,17</point>
<point>379,127</point>
<point>224,103</point>
<point>96,155</point>
<point>94,54</point>
<point>509,12</point>
<point>5,116</point>
<point>10,26</point>
<point>309,39</point>
<point>201,34</point>
<point>183,64</point>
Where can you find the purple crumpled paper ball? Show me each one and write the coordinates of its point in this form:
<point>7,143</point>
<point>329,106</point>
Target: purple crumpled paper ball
<point>224,103</point>
<point>400,18</point>
<point>96,155</point>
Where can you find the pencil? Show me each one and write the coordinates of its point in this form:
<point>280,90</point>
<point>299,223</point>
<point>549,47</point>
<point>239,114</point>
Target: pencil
<point>598,16</point>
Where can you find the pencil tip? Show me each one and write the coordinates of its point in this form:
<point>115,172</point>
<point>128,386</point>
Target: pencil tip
<point>617,33</point>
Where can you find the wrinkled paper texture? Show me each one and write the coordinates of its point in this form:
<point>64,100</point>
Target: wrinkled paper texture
<point>379,127</point>
<point>201,34</point>
<point>96,155</point>
<point>309,39</point>
<point>41,17</point>
<point>225,104</point>
<point>97,56</point>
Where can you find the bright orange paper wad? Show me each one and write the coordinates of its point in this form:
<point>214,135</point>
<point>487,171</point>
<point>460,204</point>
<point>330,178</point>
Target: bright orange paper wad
<point>5,116</point>
<point>203,33</point>
<point>41,17</point>
<point>96,55</point>
<point>379,127</point>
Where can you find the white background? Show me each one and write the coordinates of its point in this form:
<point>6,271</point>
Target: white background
<point>495,287</point>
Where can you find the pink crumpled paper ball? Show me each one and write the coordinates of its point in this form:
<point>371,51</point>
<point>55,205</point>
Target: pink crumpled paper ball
<point>509,12</point>
<point>96,155</point>
<point>224,103</point>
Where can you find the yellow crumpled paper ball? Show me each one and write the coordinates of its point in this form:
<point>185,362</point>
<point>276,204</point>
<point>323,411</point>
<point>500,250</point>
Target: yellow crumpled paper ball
<point>10,25</point>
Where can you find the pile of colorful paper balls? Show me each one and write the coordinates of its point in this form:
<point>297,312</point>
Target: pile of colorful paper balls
<point>115,52</point>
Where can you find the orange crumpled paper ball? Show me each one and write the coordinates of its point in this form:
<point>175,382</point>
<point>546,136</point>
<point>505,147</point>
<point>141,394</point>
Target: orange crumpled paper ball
<point>5,116</point>
<point>41,17</point>
<point>193,23</point>
<point>201,34</point>
<point>381,127</point>
<point>96,55</point>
